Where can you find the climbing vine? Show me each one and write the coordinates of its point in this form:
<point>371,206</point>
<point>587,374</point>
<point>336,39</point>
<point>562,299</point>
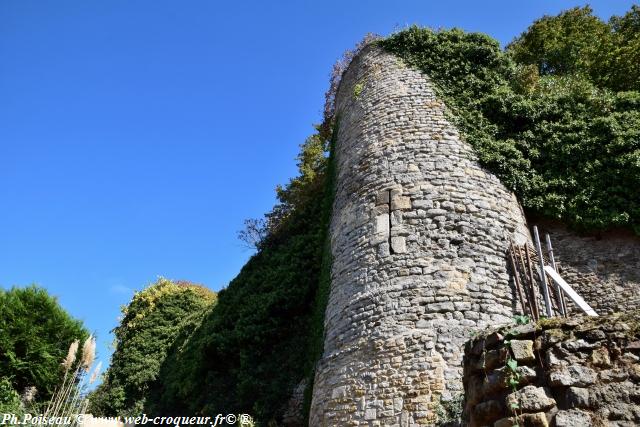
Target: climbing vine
<point>566,143</point>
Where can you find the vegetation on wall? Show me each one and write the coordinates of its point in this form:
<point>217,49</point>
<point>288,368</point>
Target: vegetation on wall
<point>556,115</point>
<point>257,344</point>
<point>151,322</point>
<point>35,333</point>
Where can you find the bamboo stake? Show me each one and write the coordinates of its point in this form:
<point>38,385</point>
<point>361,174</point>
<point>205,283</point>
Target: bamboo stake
<point>532,287</point>
<point>517,279</point>
<point>543,278</point>
<point>563,304</point>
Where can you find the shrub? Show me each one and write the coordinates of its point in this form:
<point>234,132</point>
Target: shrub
<point>34,337</point>
<point>558,136</point>
<point>151,322</point>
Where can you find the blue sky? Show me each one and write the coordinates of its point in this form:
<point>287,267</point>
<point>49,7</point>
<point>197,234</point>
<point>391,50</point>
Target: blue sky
<point>136,136</point>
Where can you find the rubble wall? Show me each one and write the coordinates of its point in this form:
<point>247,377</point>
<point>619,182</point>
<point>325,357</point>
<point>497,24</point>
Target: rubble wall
<point>419,234</point>
<point>579,372</point>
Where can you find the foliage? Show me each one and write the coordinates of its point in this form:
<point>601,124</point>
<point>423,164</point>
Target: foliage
<point>253,349</point>
<point>550,126</point>
<point>150,324</point>
<point>577,42</point>
<point>9,399</point>
<point>565,44</point>
<point>521,319</point>
<point>513,381</point>
<point>449,412</point>
<point>34,337</point>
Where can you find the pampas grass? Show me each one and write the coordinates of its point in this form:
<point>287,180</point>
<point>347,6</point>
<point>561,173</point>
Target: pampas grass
<point>71,356</point>
<point>69,399</point>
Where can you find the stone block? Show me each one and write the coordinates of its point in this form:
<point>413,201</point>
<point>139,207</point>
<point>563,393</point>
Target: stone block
<point>531,399</point>
<point>577,397</point>
<point>398,245</point>
<point>600,357</point>
<point>400,202</point>
<point>574,375</point>
<point>573,418</point>
<point>422,204</point>
<point>539,419</point>
<point>383,250</point>
<point>522,350</point>
<point>370,414</point>
<point>382,224</point>
<point>506,422</point>
<point>382,197</point>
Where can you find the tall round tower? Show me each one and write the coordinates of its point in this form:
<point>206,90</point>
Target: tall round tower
<point>418,237</point>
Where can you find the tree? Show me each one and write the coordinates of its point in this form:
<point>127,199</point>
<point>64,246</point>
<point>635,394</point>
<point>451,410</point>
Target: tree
<point>572,42</point>
<point>151,322</point>
<point>624,69</point>
<point>577,43</point>
<point>35,334</point>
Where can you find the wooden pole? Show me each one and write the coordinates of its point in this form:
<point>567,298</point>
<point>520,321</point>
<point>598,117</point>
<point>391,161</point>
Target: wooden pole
<point>517,279</point>
<point>543,277</point>
<point>532,288</point>
<point>563,305</point>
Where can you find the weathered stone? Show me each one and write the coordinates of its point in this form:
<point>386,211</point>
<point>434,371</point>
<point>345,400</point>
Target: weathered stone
<point>613,375</point>
<point>370,414</point>
<point>608,395</point>
<point>398,245</point>
<point>576,345</point>
<point>418,237</point>
<point>524,331</point>
<point>552,336</point>
<point>577,397</point>
<point>522,350</point>
<point>600,357</point>
<point>633,345</point>
<point>574,375</point>
<point>531,399</point>
<point>573,418</point>
<point>400,202</point>
<point>605,271</point>
<point>538,419</point>
<point>383,197</point>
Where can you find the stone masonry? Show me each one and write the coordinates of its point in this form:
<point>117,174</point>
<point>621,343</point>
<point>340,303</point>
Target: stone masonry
<point>581,372</point>
<point>418,236</point>
<point>603,267</point>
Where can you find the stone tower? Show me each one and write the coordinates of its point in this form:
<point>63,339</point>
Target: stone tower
<point>418,237</point>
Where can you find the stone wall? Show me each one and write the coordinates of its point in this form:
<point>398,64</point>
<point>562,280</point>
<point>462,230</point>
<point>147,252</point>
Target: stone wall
<point>569,373</point>
<point>418,237</point>
<point>604,268</point>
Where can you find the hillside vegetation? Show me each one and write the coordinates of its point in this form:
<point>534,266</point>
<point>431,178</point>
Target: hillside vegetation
<point>260,340</point>
<point>150,324</point>
<point>556,115</point>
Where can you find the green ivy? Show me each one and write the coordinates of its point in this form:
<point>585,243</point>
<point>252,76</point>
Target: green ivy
<point>265,333</point>
<point>568,146</point>
<point>152,322</point>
